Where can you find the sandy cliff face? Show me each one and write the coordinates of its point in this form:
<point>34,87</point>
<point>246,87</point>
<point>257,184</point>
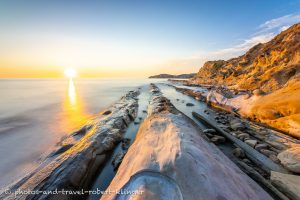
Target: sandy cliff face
<point>272,67</point>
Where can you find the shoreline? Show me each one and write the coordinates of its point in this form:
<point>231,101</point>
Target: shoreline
<point>71,179</point>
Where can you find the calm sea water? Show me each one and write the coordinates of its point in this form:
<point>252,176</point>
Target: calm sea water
<point>36,113</point>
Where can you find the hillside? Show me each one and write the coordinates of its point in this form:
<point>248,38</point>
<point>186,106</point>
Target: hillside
<point>266,66</point>
<point>181,76</point>
<point>272,67</point>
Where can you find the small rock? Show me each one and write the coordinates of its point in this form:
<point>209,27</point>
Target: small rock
<point>136,122</point>
<point>189,104</point>
<point>236,125</point>
<point>238,152</point>
<point>243,136</point>
<point>258,147</point>
<point>211,131</point>
<point>217,139</point>
<point>177,99</point>
<point>140,118</point>
<point>267,152</point>
<point>251,143</point>
<point>144,111</point>
<point>290,159</point>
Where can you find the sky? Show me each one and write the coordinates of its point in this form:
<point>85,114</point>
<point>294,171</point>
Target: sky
<point>132,38</point>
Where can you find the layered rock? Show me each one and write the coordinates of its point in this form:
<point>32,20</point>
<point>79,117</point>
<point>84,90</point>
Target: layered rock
<point>73,166</point>
<point>172,159</point>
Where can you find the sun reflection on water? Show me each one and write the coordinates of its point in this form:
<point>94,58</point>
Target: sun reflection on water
<point>74,114</point>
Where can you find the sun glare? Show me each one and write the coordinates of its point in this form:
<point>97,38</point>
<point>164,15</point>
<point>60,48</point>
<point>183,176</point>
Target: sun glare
<point>70,73</point>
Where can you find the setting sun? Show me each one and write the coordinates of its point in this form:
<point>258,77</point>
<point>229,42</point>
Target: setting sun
<point>70,73</point>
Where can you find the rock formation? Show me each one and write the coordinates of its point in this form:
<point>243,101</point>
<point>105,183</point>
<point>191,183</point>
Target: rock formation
<point>270,74</point>
<point>172,159</point>
<point>73,168</point>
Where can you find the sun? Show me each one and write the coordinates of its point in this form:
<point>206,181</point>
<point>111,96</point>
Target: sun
<point>70,73</point>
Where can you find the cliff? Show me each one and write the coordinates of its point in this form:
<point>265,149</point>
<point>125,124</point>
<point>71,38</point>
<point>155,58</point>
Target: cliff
<point>268,66</point>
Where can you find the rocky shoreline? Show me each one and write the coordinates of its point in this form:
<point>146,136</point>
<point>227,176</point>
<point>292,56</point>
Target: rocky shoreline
<point>72,166</point>
<point>171,149</point>
<point>177,157</point>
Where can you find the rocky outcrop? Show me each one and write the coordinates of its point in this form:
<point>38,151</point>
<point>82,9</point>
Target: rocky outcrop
<point>270,72</point>
<point>72,166</point>
<point>181,76</point>
<point>266,66</point>
<point>172,159</point>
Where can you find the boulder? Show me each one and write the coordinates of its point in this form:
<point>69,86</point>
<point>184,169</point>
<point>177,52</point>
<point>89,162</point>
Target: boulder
<point>290,159</point>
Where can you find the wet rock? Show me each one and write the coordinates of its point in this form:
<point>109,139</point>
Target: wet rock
<point>144,111</point>
<point>189,104</point>
<point>236,125</point>
<point>217,139</point>
<point>258,147</point>
<point>211,131</point>
<point>238,152</point>
<point>251,143</point>
<point>267,152</point>
<point>136,122</point>
<point>287,183</point>
<point>177,99</point>
<point>290,159</point>
<point>140,118</point>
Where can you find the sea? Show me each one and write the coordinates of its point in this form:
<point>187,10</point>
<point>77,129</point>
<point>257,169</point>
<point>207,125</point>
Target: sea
<point>36,113</point>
